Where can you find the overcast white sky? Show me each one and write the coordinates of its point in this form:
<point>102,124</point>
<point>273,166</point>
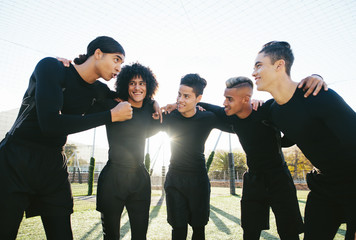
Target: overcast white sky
<point>216,38</point>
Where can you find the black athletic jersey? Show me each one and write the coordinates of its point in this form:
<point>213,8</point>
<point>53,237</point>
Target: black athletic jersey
<point>187,137</point>
<point>127,139</point>
<point>55,105</point>
<point>260,141</point>
<point>323,127</point>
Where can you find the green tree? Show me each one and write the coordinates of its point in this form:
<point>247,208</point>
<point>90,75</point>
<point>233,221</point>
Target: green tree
<point>91,176</point>
<point>210,160</point>
<point>297,163</point>
<point>148,163</point>
<point>220,162</point>
<point>69,149</point>
<point>240,163</point>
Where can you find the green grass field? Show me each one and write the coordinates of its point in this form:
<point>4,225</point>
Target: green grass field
<point>224,220</point>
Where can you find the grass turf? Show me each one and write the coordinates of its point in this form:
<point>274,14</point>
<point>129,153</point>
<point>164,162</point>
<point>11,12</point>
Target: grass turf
<point>224,220</point>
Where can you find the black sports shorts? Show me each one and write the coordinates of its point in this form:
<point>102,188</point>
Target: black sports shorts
<point>262,191</point>
<point>117,185</point>
<point>34,179</point>
<point>187,198</point>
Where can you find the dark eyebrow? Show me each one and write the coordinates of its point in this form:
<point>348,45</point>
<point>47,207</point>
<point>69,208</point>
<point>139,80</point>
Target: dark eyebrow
<point>257,62</point>
<point>132,80</point>
<point>119,57</point>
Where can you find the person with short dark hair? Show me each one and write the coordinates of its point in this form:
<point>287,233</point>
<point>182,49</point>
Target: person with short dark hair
<point>324,128</point>
<point>267,183</point>
<point>33,169</point>
<point>187,184</point>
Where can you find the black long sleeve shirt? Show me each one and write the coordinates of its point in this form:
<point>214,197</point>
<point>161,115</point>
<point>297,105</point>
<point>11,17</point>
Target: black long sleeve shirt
<point>324,128</point>
<point>55,105</point>
<point>188,136</point>
<point>260,141</point>
<point>127,139</point>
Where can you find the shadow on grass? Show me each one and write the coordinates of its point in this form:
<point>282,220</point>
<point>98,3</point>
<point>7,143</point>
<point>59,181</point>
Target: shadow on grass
<point>219,223</point>
<point>342,232</point>
<point>124,228</point>
<point>153,214</point>
<point>236,195</point>
<point>123,232</point>
<point>87,235</point>
<point>268,236</point>
<point>225,214</point>
<point>222,227</point>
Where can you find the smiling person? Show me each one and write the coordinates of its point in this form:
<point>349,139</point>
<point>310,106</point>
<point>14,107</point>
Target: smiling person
<point>324,128</point>
<point>33,170</point>
<point>267,183</point>
<point>187,184</point>
<point>124,181</point>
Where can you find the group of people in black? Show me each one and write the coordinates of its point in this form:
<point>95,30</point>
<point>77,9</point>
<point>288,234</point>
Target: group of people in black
<point>62,99</point>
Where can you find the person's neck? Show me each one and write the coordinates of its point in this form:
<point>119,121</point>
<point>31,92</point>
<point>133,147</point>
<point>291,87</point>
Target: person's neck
<point>86,71</point>
<point>284,90</point>
<point>135,104</point>
<point>189,114</point>
<point>246,111</point>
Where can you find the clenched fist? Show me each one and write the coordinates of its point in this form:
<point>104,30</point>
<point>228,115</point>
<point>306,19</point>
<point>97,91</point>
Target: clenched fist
<point>121,112</point>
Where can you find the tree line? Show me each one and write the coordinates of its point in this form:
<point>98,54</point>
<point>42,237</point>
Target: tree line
<point>297,163</point>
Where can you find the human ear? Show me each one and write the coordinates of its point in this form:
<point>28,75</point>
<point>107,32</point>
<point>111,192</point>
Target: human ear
<point>199,98</point>
<point>246,99</point>
<point>280,64</point>
<point>98,54</point>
